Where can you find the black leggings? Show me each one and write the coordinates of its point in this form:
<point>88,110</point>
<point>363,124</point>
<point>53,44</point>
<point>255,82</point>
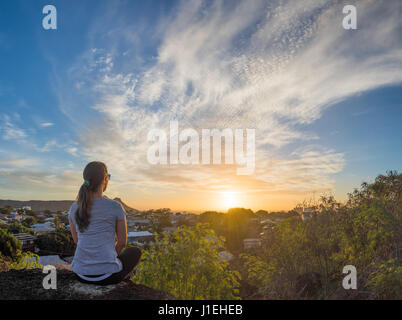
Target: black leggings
<point>129,258</point>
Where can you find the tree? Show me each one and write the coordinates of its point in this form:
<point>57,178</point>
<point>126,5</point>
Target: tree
<point>47,213</point>
<point>59,241</point>
<point>304,258</point>
<point>30,213</point>
<point>6,209</point>
<point>162,221</point>
<point>237,227</point>
<point>29,221</point>
<point>9,245</point>
<point>17,227</point>
<point>186,263</point>
<point>11,256</point>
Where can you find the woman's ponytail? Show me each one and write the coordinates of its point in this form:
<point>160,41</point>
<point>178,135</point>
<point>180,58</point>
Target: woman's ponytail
<point>93,175</point>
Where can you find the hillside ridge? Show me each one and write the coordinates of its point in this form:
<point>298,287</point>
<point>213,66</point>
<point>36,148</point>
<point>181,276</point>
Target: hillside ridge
<point>54,205</point>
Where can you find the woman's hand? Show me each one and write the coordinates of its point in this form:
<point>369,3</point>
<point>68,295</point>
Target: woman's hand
<point>73,232</point>
<point>121,235</point>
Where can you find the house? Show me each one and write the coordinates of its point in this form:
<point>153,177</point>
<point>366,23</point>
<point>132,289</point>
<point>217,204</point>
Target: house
<point>27,208</point>
<point>169,229</point>
<point>191,217</point>
<point>138,222</point>
<point>175,219</point>
<point>140,237</point>
<point>132,228</point>
<point>43,227</point>
<point>309,213</point>
<point>268,223</point>
<point>251,243</point>
<point>27,240</point>
<point>13,216</point>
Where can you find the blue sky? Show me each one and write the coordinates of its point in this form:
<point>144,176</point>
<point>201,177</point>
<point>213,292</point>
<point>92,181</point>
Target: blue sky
<point>325,102</point>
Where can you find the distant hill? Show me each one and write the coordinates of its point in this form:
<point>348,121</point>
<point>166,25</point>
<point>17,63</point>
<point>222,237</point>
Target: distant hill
<point>125,207</point>
<point>53,205</point>
<point>39,205</point>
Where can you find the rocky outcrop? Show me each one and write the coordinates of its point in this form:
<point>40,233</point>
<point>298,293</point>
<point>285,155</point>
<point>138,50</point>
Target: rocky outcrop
<point>28,285</point>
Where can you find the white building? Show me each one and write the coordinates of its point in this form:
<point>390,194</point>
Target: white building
<point>140,237</point>
<point>251,243</point>
<point>138,222</point>
<point>27,241</point>
<point>43,227</point>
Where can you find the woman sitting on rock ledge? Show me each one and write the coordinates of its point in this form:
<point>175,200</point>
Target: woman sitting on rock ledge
<point>98,227</point>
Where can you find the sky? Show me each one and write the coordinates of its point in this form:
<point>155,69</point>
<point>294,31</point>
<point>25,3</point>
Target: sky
<point>325,102</point>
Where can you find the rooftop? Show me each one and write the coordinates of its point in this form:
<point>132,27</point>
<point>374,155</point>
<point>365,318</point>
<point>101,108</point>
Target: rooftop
<point>133,234</point>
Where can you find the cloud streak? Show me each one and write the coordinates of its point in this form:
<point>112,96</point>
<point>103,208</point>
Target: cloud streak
<point>275,66</point>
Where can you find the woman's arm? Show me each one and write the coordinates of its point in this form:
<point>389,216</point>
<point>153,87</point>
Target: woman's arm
<point>73,232</point>
<point>121,235</point>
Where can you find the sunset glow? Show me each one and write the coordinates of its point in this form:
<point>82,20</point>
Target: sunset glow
<point>324,113</point>
<point>230,200</point>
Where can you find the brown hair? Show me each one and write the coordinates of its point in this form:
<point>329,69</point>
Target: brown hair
<point>93,175</point>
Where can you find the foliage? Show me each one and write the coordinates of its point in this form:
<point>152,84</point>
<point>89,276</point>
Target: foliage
<point>26,260</point>
<point>186,263</point>
<point>29,221</point>
<point>234,225</point>
<point>9,245</point>
<point>59,242</point>
<point>163,220</point>
<point>6,209</point>
<point>17,227</point>
<point>11,256</point>
<point>386,282</point>
<point>63,219</point>
<point>305,258</point>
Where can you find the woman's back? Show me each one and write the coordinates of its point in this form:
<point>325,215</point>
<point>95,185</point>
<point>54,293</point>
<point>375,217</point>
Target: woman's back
<point>96,253</point>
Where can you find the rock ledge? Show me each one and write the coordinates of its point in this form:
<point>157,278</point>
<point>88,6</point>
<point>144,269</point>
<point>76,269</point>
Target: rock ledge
<point>27,285</point>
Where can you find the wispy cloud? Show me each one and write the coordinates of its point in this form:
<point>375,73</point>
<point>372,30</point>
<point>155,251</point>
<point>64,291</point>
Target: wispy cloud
<point>275,66</point>
<point>25,181</point>
<point>18,163</point>
<point>46,124</point>
<point>48,145</point>
<point>10,130</point>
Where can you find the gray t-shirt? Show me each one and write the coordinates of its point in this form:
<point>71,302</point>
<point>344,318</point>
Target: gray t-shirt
<point>96,252</point>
